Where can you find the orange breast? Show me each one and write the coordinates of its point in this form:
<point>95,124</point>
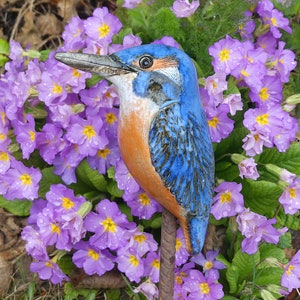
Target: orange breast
<point>133,141</point>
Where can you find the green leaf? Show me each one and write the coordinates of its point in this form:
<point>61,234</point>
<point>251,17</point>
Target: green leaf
<point>268,276</point>
<point>231,144</point>
<point>17,207</point>
<point>48,178</point>
<point>227,171</point>
<point>243,265</point>
<point>113,189</point>
<point>288,160</point>
<point>290,221</point>
<point>232,276</point>
<point>4,52</point>
<point>91,177</point>
<point>66,264</point>
<point>164,22</point>
<point>266,295</point>
<point>269,250</point>
<point>72,293</point>
<point>261,196</point>
<point>113,294</point>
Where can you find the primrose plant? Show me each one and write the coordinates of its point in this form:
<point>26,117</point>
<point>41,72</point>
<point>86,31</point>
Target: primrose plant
<point>60,162</point>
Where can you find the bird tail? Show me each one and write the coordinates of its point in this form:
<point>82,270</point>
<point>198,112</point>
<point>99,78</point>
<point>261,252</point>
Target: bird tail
<point>197,230</point>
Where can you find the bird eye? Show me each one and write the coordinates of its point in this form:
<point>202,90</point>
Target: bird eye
<point>146,62</point>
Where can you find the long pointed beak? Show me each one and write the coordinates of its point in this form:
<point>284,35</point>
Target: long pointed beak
<point>103,65</point>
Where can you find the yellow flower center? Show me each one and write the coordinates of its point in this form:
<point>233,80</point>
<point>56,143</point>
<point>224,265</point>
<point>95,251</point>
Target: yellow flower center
<point>178,244</point>
<point>110,118</point>
<point>89,131</point>
<point>208,265</point>
<point>104,30</point>
<point>49,264</point>
<point>293,193</point>
<point>244,73</point>
<point>264,94</point>
<point>4,156</point>
<point>57,89</point>
<point>274,21</point>
<point>76,73</point>
<point>289,269</point>
<point>139,238</point>
<point>155,264</point>
<point>25,179</point>
<point>103,153</point>
<point>225,197</point>
<point>32,136</point>
<point>262,119</point>
<point>3,115</point>
<point>178,279</point>
<point>224,54</point>
<point>67,203</point>
<point>204,288</point>
<point>55,228</point>
<point>133,260</point>
<point>213,122</point>
<point>93,254</point>
<point>144,199</point>
<point>109,225</point>
<point>2,136</point>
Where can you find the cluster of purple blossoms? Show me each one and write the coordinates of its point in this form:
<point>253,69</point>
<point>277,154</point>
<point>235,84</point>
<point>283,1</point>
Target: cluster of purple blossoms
<point>262,65</point>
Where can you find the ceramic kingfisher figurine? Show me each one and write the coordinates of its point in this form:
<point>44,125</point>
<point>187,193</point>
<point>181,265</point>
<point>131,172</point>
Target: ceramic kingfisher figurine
<point>163,132</point>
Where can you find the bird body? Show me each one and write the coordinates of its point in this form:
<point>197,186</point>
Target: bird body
<point>163,133</point>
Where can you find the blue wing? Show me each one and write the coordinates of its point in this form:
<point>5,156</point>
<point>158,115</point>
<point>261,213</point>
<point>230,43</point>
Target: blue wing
<point>182,154</point>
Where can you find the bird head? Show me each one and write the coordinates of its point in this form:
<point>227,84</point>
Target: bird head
<point>161,73</point>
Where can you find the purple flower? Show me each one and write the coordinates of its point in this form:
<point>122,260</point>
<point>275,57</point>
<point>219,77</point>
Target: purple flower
<point>73,35</point>
<point>142,205</point>
<point>102,25</point>
<point>105,158</point>
<point>273,122</point>
<point>124,179</point>
<point>273,18</point>
<point>87,135</point>
<point>291,275</point>
<point>131,3</point>
<point>51,89</point>
<point>48,270</point>
<point>152,266</point>
<point>5,159</point>
<point>129,41</point>
<point>167,40</point>
<point>64,199</point>
<point>35,245</point>
<point>229,201</point>
<point>49,142</point>
<point>220,126</point>
<point>183,8</point>
<point>254,142</point>
<point>215,85</point>
<point>20,182</point>
<point>141,242</point>
<point>50,227</point>
<point>66,162</point>
<point>257,228</point>
<point>26,135</point>
<point>226,54</point>
<point>91,259</point>
<point>100,95</point>
<point>181,274</point>
<point>202,287</point>
<point>109,225</point>
<point>247,168</point>
<point>209,262</point>
<point>267,42</point>
<point>181,254</point>
<point>234,102</point>
<point>270,92</point>
<point>149,289</point>
<point>131,264</point>
<point>290,198</point>
<point>283,62</point>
